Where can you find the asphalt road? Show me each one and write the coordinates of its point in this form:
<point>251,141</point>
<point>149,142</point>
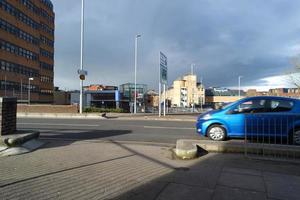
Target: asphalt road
<point>111,129</point>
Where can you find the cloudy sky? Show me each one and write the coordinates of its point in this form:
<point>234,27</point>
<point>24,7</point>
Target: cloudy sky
<point>224,38</point>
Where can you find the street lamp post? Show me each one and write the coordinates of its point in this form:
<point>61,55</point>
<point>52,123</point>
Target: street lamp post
<point>81,55</point>
<point>21,90</point>
<point>5,83</point>
<point>29,79</point>
<point>193,89</point>
<point>135,68</point>
<point>240,86</point>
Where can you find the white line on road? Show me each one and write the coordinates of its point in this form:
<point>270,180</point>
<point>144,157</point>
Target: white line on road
<point>163,127</point>
<point>47,124</point>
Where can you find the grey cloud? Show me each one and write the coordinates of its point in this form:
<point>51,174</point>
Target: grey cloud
<point>223,38</point>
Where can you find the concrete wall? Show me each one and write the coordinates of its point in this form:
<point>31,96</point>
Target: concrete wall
<point>47,108</point>
<point>62,98</point>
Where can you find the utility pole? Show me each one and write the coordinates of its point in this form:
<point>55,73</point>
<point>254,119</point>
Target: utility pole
<point>193,89</point>
<point>135,69</point>
<point>21,90</point>
<point>81,55</point>
<point>5,83</point>
<point>29,79</point>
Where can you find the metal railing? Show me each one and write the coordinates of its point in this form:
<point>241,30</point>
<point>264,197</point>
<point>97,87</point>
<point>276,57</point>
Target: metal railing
<point>272,136</point>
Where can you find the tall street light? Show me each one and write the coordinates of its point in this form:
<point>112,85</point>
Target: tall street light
<point>81,55</point>
<point>240,86</point>
<point>135,67</point>
<point>29,79</point>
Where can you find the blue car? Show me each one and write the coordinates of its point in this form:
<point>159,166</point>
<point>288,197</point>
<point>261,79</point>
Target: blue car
<point>259,116</point>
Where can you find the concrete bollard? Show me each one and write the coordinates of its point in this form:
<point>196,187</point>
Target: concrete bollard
<point>186,150</point>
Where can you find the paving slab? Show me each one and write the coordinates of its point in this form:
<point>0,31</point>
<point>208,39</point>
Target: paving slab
<point>95,170</point>
<point>147,191</point>
<point>282,186</point>
<point>242,181</point>
<point>227,193</point>
<point>237,170</point>
<point>207,178</point>
<point>179,191</point>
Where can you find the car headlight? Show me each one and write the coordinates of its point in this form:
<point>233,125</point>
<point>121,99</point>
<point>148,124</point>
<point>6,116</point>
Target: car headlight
<point>207,116</point>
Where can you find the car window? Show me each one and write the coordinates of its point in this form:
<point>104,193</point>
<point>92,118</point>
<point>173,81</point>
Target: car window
<point>252,106</point>
<point>280,106</point>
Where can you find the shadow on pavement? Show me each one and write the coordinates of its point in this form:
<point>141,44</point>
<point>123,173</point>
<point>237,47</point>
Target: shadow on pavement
<point>63,138</point>
<point>215,176</point>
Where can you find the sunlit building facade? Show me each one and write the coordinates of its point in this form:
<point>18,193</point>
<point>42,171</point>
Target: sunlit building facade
<point>27,49</point>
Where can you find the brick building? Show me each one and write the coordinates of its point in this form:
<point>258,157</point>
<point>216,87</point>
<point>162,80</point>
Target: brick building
<point>27,49</point>
<point>283,92</point>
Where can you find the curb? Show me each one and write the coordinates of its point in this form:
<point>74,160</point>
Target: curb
<point>27,147</point>
<point>18,138</point>
<point>84,116</point>
<point>184,147</point>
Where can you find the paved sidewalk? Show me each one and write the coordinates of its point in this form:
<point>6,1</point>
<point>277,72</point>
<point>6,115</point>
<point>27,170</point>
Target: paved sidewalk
<point>95,170</point>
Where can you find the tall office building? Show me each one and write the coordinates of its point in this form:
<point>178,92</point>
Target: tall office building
<point>27,49</point>
<point>186,92</point>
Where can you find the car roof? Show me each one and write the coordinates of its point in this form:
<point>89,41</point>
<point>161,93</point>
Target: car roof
<point>271,97</point>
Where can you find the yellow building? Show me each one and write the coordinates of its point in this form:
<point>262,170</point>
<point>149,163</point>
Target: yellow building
<point>186,92</point>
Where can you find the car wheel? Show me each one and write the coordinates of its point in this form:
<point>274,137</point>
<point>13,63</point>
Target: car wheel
<point>216,133</point>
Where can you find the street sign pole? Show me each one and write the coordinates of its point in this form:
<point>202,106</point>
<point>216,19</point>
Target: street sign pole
<point>164,99</point>
<point>163,80</point>
<point>159,96</point>
<point>81,56</point>
<point>159,89</point>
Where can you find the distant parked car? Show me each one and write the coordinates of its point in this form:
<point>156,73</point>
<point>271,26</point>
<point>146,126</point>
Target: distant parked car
<point>265,114</point>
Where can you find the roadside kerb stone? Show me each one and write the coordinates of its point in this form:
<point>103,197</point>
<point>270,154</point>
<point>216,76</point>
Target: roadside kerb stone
<point>98,116</point>
<point>18,138</point>
<point>184,147</point>
<point>25,147</point>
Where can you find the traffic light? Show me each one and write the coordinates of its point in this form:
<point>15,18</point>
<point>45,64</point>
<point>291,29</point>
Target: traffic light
<point>82,77</point>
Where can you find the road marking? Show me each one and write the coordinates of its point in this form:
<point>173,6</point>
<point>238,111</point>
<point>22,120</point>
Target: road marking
<point>165,127</point>
<point>48,124</point>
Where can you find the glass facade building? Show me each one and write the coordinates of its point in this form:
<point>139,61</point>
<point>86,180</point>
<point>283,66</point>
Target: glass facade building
<point>127,91</point>
<point>27,49</point>
<point>127,95</point>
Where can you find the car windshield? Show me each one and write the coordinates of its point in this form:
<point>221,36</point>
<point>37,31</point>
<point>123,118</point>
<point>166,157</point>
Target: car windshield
<point>227,106</point>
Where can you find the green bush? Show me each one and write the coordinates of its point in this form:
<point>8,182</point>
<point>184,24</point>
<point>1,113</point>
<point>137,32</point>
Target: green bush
<point>103,110</point>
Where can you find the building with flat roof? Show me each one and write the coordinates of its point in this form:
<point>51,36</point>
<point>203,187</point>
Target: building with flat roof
<point>186,92</point>
<point>100,96</point>
<point>98,87</point>
<point>27,49</point>
<point>127,91</point>
<point>217,96</point>
<point>282,92</point>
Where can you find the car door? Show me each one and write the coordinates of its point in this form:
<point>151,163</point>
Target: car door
<point>278,120</point>
<point>243,117</point>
